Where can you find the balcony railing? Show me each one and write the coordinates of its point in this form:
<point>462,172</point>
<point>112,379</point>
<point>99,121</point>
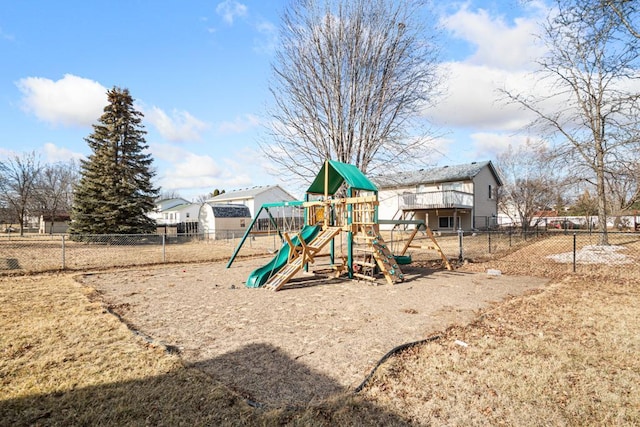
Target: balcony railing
<point>436,200</point>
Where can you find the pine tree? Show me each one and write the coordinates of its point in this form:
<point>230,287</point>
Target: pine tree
<point>115,190</point>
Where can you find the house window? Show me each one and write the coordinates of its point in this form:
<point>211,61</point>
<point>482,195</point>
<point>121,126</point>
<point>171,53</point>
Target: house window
<point>490,191</point>
<point>445,222</point>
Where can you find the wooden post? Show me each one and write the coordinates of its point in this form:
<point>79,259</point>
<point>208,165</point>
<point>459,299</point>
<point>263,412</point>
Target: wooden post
<point>350,235</point>
<point>326,194</point>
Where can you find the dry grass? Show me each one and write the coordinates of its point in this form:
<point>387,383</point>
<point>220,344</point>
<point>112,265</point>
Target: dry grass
<point>567,355</point>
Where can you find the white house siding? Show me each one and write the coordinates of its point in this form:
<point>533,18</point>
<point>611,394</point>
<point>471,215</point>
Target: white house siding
<point>164,205</point>
<point>273,195</point>
<point>388,205</point>
<point>182,213</point>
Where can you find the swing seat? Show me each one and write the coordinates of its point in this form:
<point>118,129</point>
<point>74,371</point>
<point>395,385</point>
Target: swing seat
<point>403,259</point>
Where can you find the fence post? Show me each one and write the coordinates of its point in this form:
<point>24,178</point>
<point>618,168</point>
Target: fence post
<point>63,254</point>
<point>510,233</point>
<point>489,234</point>
<point>164,249</point>
<point>574,252</point>
<point>461,254</point>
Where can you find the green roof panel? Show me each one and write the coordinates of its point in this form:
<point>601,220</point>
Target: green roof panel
<point>338,173</point>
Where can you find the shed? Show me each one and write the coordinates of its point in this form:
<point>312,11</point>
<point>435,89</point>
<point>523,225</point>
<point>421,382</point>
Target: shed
<point>54,225</point>
<point>223,221</point>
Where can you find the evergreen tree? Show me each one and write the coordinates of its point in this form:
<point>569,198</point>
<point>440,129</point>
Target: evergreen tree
<point>115,191</point>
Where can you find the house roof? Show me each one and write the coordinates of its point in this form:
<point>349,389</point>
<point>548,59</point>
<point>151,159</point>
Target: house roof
<point>247,193</point>
<point>229,211</point>
<point>178,207</point>
<point>338,173</point>
<point>166,204</point>
<point>449,173</point>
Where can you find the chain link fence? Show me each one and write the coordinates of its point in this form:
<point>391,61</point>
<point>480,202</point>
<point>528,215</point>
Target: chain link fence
<point>41,253</point>
<point>537,252</point>
<point>543,252</point>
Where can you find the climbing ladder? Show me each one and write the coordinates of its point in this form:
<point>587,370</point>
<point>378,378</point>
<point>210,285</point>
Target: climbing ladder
<point>301,255</point>
<point>377,253</point>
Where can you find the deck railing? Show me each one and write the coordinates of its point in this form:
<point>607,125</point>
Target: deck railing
<point>436,200</point>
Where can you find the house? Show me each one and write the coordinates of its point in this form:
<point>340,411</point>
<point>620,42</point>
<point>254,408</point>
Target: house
<point>223,221</point>
<point>255,197</point>
<point>176,215</point>
<point>447,198</point>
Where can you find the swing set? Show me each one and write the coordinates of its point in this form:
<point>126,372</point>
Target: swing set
<point>341,203</point>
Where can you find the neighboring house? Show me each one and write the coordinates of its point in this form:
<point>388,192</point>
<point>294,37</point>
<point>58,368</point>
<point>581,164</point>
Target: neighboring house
<point>176,216</point>
<point>255,197</point>
<point>56,225</point>
<point>224,221</point>
<point>447,198</point>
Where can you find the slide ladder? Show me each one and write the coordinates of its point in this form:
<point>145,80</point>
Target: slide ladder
<point>301,255</point>
<point>381,254</point>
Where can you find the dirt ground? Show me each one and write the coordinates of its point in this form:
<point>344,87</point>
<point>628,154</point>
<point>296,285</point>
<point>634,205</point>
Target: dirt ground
<point>314,338</point>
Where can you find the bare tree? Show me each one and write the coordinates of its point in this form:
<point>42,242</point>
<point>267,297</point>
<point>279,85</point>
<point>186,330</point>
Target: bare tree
<point>18,175</point>
<point>531,183</point>
<point>623,184</point>
<point>350,81</point>
<point>202,198</point>
<point>54,190</point>
<point>627,11</point>
<point>168,194</point>
<point>591,67</point>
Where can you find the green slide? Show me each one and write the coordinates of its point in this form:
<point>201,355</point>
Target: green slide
<point>260,275</point>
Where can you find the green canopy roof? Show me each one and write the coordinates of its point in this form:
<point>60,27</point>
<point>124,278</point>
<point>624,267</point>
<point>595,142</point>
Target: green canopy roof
<point>338,173</point>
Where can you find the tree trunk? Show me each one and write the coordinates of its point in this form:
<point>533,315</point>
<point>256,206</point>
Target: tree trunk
<point>602,195</point>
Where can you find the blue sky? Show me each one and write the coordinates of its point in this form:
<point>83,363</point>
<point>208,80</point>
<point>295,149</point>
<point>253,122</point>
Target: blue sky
<point>199,72</point>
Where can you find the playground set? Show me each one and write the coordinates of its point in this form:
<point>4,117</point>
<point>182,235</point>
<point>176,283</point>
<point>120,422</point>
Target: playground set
<point>341,203</point>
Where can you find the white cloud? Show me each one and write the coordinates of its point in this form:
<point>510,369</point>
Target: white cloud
<point>53,153</point>
<point>268,39</point>
<point>188,171</point>
<point>71,101</point>
<point>488,145</point>
<point>240,124</point>
<point>230,10</point>
<point>181,126</point>
<point>498,44</point>
<point>473,98</point>
<point>502,59</point>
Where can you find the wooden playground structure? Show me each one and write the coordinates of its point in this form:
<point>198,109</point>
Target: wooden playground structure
<point>341,202</point>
